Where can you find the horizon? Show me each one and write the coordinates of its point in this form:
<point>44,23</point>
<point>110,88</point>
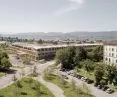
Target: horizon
<point>10,33</point>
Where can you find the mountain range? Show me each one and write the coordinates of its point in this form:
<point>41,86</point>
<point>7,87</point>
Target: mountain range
<point>102,35</point>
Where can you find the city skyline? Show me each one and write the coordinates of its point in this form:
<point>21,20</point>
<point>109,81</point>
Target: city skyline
<point>57,15</point>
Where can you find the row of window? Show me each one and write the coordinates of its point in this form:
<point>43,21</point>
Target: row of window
<point>109,60</point>
<point>49,49</point>
<point>111,54</point>
<point>111,49</point>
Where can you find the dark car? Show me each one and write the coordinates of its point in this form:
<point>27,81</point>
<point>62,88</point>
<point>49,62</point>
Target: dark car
<point>104,88</point>
<point>96,84</point>
<point>99,86</point>
<point>79,76</point>
<point>89,81</point>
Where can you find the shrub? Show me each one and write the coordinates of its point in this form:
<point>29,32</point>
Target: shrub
<point>1,95</point>
<point>23,93</point>
<point>18,84</point>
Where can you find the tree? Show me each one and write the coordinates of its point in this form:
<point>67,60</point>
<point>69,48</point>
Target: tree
<point>111,73</point>
<point>80,54</point>
<point>5,63</point>
<point>99,72</point>
<point>40,41</point>
<point>98,53</point>
<point>3,54</point>
<point>87,64</point>
<point>65,57</point>
<point>26,59</point>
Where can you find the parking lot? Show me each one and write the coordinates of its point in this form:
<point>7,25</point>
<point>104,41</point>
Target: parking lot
<point>96,91</point>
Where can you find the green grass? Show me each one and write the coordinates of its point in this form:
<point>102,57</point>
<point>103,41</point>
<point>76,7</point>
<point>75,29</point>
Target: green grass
<point>113,87</point>
<point>70,90</point>
<point>27,88</point>
<point>83,72</point>
<point>2,74</point>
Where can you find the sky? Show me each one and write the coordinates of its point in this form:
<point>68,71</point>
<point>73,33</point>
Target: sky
<point>57,15</point>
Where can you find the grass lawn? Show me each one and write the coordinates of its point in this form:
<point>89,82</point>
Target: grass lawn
<point>2,74</point>
<point>70,90</point>
<point>26,87</point>
<point>113,87</point>
<point>83,72</point>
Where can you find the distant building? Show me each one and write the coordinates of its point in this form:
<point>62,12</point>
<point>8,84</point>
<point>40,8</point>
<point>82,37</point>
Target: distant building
<point>110,52</point>
<point>42,51</point>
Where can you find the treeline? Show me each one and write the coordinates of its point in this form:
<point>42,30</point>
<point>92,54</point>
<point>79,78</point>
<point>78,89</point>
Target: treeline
<point>71,56</point>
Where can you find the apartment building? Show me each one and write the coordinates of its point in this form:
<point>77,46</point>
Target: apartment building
<point>43,51</point>
<point>110,52</point>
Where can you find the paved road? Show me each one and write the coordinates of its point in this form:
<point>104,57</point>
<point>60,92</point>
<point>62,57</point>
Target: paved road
<point>8,79</point>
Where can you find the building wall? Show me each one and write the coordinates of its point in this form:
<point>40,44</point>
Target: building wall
<point>110,54</point>
<point>28,51</point>
<point>51,52</point>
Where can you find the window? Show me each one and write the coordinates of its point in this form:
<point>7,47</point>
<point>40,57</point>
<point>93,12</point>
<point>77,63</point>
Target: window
<point>112,54</point>
<point>109,54</point>
<point>112,49</point>
<point>116,60</point>
<point>106,59</point>
<point>109,60</point>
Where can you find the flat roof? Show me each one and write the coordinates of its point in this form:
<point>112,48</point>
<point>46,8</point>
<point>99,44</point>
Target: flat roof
<point>110,42</point>
<point>35,46</point>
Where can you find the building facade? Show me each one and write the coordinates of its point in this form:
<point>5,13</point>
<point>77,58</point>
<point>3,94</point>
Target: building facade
<point>110,52</point>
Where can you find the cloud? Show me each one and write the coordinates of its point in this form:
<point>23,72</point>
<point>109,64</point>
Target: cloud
<point>73,5</point>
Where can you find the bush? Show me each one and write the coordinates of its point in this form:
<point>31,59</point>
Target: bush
<point>103,82</point>
<point>23,93</point>
<point>18,84</point>
<point>1,95</point>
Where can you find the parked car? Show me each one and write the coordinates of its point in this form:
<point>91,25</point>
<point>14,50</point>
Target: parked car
<point>109,91</point>
<point>68,73</point>
<point>96,84</point>
<point>99,86</point>
<point>82,78</point>
<point>104,88</point>
<point>79,76</point>
<point>85,79</point>
<point>89,81</point>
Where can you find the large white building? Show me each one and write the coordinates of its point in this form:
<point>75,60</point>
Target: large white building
<point>110,52</point>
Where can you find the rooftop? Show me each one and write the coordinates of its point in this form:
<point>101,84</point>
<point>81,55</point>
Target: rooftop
<point>110,42</point>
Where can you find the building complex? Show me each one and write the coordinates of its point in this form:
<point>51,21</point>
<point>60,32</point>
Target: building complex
<point>43,51</point>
